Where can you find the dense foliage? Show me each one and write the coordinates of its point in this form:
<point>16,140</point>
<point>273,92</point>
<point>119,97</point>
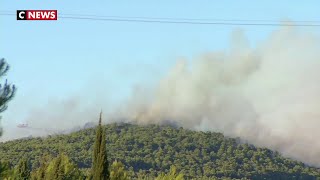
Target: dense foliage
<point>7,91</point>
<point>22,170</point>
<point>149,151</point>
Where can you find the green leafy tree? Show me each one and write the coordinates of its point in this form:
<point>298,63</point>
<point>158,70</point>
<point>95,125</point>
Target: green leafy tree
<point>118,172</point>
<point>61,168</point>
<point>172,175</point>
<point>5,170</point>
<point>22,171</point>
<point>40,172</point>
<point>55,169</point>
<point>7,91</point>
<point>100,165</point>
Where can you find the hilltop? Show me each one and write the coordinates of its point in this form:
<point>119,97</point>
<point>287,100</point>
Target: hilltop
<point>148,150</point>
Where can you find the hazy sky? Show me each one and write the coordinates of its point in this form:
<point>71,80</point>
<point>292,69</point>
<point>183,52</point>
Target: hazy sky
<point>58,59</point>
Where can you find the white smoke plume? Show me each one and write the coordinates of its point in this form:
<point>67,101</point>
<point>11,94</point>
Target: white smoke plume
<point>268,95</point>
<point>57,116</point>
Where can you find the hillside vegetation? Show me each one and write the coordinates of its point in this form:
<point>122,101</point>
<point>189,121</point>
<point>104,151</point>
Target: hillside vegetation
<point>147,151</point>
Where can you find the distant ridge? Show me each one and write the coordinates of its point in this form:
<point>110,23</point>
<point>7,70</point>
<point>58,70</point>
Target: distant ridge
<point>149,150</point>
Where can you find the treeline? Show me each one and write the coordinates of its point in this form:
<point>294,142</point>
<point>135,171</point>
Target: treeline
<point>62,168</point>
<point>150,152</point>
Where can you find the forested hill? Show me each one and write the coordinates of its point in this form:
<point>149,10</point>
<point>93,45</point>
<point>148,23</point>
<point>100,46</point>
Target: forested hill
<point>148,150</point>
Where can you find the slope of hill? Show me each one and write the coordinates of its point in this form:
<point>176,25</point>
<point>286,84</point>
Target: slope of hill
<point>148,150</point>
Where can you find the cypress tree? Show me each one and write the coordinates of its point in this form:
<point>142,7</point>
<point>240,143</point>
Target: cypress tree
<point>100,167</point>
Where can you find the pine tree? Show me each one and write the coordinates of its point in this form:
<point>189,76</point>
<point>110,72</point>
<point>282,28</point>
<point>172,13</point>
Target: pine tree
<point>22,171</point>
<point>100,168</point>
<point>7,91</point>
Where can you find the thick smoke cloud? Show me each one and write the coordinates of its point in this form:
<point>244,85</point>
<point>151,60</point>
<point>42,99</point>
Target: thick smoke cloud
<point>268,95</point>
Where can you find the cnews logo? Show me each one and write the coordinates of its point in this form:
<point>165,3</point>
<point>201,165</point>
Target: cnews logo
<point>37,14</point>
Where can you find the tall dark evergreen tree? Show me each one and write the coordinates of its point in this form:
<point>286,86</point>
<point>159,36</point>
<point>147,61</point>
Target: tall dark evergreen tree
<point>7,91</point>
<point>22,171</point>
<point>100,167</point>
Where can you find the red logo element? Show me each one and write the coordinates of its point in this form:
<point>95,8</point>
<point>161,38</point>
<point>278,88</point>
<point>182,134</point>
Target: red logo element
<point>37,14</point>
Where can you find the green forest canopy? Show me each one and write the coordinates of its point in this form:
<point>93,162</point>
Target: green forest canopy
<point>148,151</point>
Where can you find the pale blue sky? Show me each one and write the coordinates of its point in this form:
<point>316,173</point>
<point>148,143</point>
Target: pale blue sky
<point>58,59</point>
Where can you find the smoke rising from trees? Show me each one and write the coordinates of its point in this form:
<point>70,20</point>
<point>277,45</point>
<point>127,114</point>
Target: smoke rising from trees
<point>268,95</point>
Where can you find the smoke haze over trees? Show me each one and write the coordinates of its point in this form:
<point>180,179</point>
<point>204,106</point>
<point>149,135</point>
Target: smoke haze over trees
<point>151,151</point>
<point>267,94</point>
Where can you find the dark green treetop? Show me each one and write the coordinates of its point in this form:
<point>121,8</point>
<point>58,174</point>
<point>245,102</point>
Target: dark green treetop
<point>100,167</point>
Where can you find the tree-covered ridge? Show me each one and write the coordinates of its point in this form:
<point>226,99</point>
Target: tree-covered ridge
<point>148,151</point>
